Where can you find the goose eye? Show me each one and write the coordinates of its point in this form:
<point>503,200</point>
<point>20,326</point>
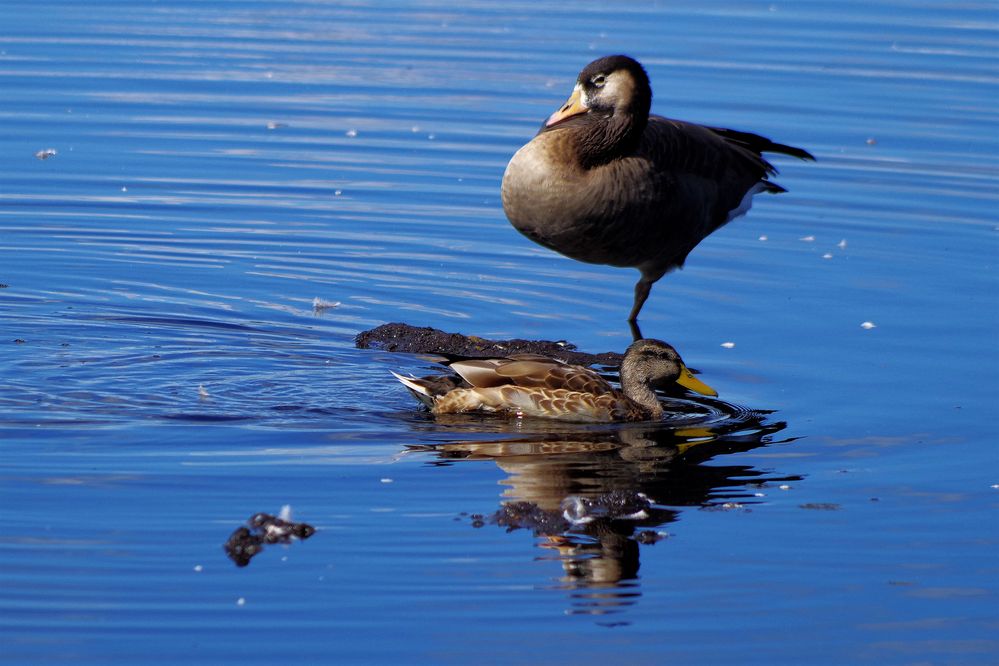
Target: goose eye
<point>599,80</point>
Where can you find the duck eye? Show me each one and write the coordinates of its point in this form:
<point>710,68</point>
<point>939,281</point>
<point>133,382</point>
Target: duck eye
<point>599,80</point>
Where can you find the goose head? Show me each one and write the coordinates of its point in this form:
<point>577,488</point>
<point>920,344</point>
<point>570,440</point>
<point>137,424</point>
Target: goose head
<point>608,109</point>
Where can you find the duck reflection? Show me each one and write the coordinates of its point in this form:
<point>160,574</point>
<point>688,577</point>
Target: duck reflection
<point>596,497</point>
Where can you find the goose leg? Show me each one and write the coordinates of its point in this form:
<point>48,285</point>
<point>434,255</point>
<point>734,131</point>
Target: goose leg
<point>636,331</point>
<point>642,289</point>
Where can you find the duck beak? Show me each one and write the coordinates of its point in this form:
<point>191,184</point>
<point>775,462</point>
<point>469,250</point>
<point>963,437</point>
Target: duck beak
<point>689,381</point>
<point>572,107</point>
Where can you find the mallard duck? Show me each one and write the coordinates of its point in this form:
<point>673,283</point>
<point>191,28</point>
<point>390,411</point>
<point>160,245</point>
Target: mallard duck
<point>534,385</point>
<point>605,182</point>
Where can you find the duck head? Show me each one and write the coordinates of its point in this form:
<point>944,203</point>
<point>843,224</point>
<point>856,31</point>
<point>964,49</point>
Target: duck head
<point>649,362</point>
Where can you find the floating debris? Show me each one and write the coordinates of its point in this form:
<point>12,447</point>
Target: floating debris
<point>820,506</point>
<point>46,153</point>
<point>827,255</point>
<point>807,239</point>
<point>728,345</point>
<point>649,537</point>
<point>763,238</point>
<point>868,325</point>
<point>615,505</point>
<point>272,125</point>
<point>525,515</point>
<point>351,133</point>
<point>577,513</point>
<point>871,141</point>
<point>246,542</point>
<point>198,568</point>
<point>842,244</point>
<point>784,486</point>
<point>320,304</point>
<point>387,480</point>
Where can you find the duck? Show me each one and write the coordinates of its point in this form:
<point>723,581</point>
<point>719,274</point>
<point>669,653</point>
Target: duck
<point>532,385</point>
<point>606,182</point>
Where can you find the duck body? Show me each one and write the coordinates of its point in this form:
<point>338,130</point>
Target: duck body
<point>605,182</point>
<point>529,385</point>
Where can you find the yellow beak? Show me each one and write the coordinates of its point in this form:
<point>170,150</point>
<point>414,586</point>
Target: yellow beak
<point>689,381</point>
<point>572,107</point>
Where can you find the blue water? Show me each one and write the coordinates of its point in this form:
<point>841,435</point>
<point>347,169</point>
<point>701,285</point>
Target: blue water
<point>164,373</point>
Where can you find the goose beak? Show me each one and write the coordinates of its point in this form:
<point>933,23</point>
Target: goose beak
<point>689,381</point>
<point>572,107</point>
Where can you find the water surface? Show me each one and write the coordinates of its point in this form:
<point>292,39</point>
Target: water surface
<point>164,373</point>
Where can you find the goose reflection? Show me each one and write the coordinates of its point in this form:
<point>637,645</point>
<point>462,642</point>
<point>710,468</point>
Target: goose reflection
<point>595,497</point>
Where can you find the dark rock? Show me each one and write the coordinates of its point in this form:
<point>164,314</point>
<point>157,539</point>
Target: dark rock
<point>398,337</point>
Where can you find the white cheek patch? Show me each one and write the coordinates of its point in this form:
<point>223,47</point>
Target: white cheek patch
<point>584,99</point>
<point>620,86</point>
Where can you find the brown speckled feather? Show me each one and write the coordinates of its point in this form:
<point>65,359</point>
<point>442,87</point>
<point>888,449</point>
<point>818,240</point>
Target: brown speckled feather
<point>535,372</point>
<point>541,387</point>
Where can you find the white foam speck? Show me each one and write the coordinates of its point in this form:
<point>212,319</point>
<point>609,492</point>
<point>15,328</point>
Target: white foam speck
<point>728,345</point>
<point>868,325</point>
<point>323,304</point>
<point>807,239</point>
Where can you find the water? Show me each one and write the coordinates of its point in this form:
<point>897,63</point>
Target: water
<point>164,374</point>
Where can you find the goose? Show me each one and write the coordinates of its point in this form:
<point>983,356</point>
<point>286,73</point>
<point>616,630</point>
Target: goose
<point>606,182</point>
<point>537,386</point>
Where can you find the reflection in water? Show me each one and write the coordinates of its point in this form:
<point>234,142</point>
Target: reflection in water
<point>596,496</point>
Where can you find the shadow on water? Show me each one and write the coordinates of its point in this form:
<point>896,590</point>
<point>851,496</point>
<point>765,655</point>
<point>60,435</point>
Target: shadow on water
<point>596,496</point>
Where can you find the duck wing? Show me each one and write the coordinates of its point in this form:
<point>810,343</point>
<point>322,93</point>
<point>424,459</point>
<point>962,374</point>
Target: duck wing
<point>530,372</point>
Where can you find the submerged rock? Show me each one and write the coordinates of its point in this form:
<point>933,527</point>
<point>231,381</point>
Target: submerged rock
<point>398,337</point>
